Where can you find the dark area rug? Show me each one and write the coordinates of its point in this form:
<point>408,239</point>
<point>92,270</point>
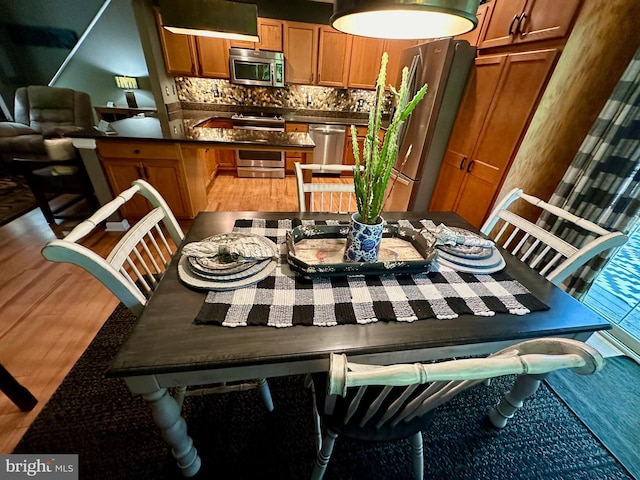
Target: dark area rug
<point>237,438</point>
<point>608,402</point>
<point>16,198</point>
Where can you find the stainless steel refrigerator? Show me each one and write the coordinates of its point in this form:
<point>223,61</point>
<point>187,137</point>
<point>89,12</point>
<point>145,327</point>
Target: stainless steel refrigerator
<point>444,66</point>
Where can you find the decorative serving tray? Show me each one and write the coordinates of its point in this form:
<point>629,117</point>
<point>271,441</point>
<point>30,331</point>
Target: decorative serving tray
<point>317,251</point>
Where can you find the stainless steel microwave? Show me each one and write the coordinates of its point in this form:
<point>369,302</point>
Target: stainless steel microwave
<point>252,67</point>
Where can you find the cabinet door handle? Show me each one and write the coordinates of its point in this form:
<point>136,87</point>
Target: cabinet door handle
<point>470,166</point>
<point>464,159</point>
<point>520,24</point>
<point>513,22</point>
<point>136,151</point>
<point>139,170</point>
<point>146,172</point>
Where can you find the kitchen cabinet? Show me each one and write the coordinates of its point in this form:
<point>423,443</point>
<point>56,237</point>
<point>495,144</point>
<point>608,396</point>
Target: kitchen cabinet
<point>179,51</point>
<point>474,35</point>
<point>334,57</point>
<point>291,157</point>
<point>125,162</point>
<point>194,56</point>
<point>512,22</point>
<point>225,159</point>
<point>499,101</point>
<point>213,57</point>
<point>394,48</point>
<point>270,33</point>
<point>178,179</point>
<point>365,62</point>
<point>300,52</point>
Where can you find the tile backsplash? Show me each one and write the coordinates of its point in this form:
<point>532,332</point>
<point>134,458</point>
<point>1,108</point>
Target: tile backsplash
<point>221,92</point>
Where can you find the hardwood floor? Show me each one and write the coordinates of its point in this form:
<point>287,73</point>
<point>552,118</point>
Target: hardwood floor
<point>50,312</point>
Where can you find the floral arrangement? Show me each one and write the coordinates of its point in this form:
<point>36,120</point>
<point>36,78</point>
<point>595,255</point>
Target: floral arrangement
<point>372,169</point>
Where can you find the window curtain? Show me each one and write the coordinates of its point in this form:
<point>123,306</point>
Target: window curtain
<point>602,183</point>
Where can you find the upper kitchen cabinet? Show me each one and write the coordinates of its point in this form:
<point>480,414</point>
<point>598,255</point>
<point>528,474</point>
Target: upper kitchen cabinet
<point>194,56</point>
<point>300,48</point>
<point>511,22</point>
<point>270,33</point>
<point>179,51</point>
<point>499,101</point>
<point>213,57</point>
<point>474,35</point>
<point>334,57</point>
<point>365,62</point>
<point>394,48</point>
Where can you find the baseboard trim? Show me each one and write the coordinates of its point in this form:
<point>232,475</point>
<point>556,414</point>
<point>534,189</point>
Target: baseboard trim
<point>620,346</point>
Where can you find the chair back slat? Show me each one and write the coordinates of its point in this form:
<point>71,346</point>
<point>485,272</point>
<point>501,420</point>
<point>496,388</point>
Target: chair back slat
<point>547,253</point>
<point>133,267</point>
<point>401,399</point>
<point>325,195</point>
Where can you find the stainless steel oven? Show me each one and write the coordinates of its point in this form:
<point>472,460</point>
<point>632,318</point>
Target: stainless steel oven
<point>259,163</point>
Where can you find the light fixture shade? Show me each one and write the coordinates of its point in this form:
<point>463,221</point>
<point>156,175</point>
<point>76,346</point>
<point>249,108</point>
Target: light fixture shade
<point>405,19</point>
<point>128,83</point>
<point>211,18</point>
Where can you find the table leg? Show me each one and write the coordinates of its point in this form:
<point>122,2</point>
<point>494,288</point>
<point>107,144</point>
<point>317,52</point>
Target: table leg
<point>523,388</point>
<point>173,428</point>
<point>18,394</point>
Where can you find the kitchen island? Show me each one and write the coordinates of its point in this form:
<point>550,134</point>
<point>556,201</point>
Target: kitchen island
<point>178,165</point>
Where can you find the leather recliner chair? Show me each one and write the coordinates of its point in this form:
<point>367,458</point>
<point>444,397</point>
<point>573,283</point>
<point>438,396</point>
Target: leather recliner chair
<point>33,145</point>
<point>43,112</point>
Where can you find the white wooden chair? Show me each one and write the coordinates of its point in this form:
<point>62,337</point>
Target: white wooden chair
<point>387,403</point>
<point>324,196</point>
<point>545,252</point>
<point>132,270</point>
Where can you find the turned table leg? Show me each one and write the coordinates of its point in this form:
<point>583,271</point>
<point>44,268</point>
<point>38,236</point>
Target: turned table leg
<point>512,401</point>
<point>173,428</point>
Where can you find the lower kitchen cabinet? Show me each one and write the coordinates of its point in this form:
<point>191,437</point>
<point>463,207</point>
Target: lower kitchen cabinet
<point>499,100</point>
<point>291,157</point>
<point>180,180</point>
<point>224,159</point>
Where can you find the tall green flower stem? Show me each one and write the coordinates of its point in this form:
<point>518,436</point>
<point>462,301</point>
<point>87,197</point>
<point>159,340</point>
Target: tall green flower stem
<point>372,170</point>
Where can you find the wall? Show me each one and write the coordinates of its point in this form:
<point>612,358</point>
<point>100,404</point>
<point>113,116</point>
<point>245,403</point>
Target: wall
<point>31,60</point>
<point>112,47</point>
<point>603,41</point>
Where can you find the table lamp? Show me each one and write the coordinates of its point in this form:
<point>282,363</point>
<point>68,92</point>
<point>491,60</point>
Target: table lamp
<point>128,84</point>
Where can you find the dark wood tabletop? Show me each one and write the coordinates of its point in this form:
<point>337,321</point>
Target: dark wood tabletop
<point>166,344</point>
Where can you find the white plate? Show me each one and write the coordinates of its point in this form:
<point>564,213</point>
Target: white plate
<point>252,269</point>
<point>492,260</point>
<point>469,268</point>
<point>187,276</point>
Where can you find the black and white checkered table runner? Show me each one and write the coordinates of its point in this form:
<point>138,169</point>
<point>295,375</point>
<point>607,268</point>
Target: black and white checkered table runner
<point>285,299</point>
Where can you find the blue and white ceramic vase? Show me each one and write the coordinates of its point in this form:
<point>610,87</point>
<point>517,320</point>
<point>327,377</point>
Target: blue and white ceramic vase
<point>363,240</point>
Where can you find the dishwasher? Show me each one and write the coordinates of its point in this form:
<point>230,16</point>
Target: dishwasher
<point>329,140</point>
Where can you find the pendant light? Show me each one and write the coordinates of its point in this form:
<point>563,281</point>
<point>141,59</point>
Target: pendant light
<point>211,18</point>
<point>405,19</point>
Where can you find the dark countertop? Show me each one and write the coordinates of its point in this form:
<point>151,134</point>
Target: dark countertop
<point>260,138</point>
<point>204,111</point>
<point>148,128</point>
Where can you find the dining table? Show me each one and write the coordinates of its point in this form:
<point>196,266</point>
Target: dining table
<point>167,348</point>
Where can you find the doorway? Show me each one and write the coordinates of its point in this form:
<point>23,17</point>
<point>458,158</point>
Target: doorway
<point>615,294</point>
